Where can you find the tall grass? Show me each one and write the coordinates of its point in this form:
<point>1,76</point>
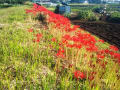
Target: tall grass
<point>11,14</point>
<point>22,62</point>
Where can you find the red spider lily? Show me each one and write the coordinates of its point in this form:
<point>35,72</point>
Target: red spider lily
<point>67,37</point>
<point>79,46</point>
<point>60,53</point>
<point>116,55</point>
<point>114,48</point>
<point>30,30</point>
<point>119,61</point>
<point>79,39</point>
<point>92,49</point>
<point>53,39</point>
<point>75,38</point>
<point>28,11</point>
<point>79,75</point>
<point>74,28</point>
<point>39,35</point>
<point>92,76</point>
<point>64,41</point>
<point>100,56</point>
<point>61,44</point>
<point>101,52</point>
<point>69,45</point>
<point>107,51</point>
<point>104,64</point>
<point>36,40</point>
<point>102,41</point>
<point>111,53</point>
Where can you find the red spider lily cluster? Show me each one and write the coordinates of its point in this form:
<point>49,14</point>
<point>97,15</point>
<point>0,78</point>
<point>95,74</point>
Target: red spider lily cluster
<point>79,75</point>
<point>30,30</point>
<point>38,36</point>
<point>60,53</point>
<point>75,37</point>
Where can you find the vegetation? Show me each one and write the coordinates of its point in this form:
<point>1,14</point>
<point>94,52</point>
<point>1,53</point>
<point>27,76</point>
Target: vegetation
<point>13,1</point>
<point>114,18</point>
<point>53,55</point>
<point>76,8</point>
<point>11,14</point>
<point>87,15</point>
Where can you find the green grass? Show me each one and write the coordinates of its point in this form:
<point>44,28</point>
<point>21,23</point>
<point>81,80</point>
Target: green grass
<point>22,62</point>
<point>11,14</point>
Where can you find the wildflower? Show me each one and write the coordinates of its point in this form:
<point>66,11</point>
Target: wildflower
<point>102,41</point>
<point>53,39</point>
<point>60,53</point>
<point>103,65</point>
<point>100,56</point>
<point>92,76</point>
<point>67,37</point>
<point>39,35</point>
<point>79,75</point>
<point>107,51</point>
<point>30,30</point>
<point>114,48</point>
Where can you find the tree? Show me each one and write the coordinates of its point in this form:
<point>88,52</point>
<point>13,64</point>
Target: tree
<point>13,1</point>
<point>95,1</point>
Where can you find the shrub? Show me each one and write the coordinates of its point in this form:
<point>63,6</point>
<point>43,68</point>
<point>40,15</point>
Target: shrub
<point>115,17</point>
<point>28,3</point>
<point>5,6</point>
<point>87,15</point>
<point>67,15</point>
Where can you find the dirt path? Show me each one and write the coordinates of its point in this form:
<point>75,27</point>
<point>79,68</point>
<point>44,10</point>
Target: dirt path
<point>109,32</point>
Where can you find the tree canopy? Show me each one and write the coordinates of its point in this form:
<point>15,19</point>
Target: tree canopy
<point>13,1</point>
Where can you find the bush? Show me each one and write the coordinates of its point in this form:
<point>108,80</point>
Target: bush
<point>114,18</point>
<point>87,15</point>
<point>5,6</point>
<point>28,3</point>
<point>93,18</point>
<point>67,15</point>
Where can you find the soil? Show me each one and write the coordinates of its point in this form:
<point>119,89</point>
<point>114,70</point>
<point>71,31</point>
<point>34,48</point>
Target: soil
<point>109,32</point>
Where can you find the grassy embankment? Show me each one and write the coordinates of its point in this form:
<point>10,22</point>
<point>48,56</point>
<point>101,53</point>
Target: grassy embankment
<point>28,65</point>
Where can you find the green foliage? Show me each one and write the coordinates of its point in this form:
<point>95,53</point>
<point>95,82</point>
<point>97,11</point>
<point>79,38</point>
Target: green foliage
<point>67,15</point>
<point>114,18</point>
<point>15,13</point>
<point>28,3</point>
<point>13,1</point>
<point>76,8</point>
<point>5,6</point>
<point>22,62</point>
<point>87,15</point>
